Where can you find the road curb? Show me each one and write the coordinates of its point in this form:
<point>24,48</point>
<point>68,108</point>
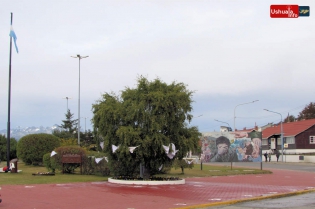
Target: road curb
<point>231,202</point>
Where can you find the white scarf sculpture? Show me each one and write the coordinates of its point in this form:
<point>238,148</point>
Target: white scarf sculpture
<point>102,145</point>
<point>53,153</point>
<point>189,162</point>
<point>170,155</point>
<point>114,148</point>
<point>97,160</point>
<point>131,149</point>
<point>160,168</point>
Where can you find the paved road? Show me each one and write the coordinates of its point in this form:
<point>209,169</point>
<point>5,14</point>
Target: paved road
<point>303,201</point>
<point>196,191</point>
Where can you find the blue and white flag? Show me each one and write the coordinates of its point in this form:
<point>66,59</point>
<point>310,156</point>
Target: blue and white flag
<point>12,34</point>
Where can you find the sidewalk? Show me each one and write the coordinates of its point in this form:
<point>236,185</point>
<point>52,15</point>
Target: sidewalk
<point>196,191</point>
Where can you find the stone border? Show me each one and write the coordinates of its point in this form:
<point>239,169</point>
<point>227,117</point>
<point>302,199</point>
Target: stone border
<point>174,182</point>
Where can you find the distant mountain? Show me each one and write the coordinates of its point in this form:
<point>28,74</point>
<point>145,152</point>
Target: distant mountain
<point>19,132</point>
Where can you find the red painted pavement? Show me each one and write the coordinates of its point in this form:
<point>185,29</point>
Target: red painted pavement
<point>195,191</point>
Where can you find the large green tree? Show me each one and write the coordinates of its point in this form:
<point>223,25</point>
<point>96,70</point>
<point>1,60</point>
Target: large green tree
<point>67,128</point>
<point>69,124</point>
<point>148,116</point>
<point>3,148</point>
<point>308,112</point>
<point>289,118</point>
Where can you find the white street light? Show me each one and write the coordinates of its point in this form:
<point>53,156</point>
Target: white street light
<point>67,98</point>
<point>240,105</point>
<point>222,122</point>
<point>281,134</point>
<point>85,123</point>
<point>80,57</point>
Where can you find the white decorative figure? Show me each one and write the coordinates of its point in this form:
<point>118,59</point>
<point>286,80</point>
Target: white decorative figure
<point>102,145</point>
<point>131,149</point>
<point>166,148</point>
<point>174,149</point>
<point>160,168</point>
<point>170,155</point>
<point>114,148</point>
<point>97,160</point>
<point>53,153</point>
<point>189,162</point>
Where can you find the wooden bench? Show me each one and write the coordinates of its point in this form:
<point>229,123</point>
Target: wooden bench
<point>71,159</point>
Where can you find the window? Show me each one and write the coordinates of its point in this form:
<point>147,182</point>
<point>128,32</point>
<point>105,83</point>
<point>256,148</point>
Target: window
<point>289,140</point>
<point>264,142</point>
<point>312,139</point>
<point>278,141</point>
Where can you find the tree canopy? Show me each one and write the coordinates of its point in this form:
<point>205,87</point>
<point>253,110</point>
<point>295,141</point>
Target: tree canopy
<point>69,124</point>
<point>289,118</point>
<point>3,148</point>
<point>148,116</point>
<point>67,128</point>
<point>308,112</point>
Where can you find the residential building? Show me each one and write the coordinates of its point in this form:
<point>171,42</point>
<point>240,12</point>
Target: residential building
<point>298,137</point>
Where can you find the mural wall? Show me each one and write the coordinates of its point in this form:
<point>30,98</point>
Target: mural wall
<point>231,147</point>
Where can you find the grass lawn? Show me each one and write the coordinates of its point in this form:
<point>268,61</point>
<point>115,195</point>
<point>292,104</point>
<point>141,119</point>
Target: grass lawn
<point>26,177</point>
<point>213,170</point>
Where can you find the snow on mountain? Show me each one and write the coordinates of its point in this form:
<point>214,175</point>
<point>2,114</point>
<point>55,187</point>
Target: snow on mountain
<point>19,132</point>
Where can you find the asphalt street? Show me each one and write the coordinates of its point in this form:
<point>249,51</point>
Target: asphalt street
<point>303,201</point>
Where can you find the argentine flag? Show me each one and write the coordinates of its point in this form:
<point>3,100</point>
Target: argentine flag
<point>12,34</point>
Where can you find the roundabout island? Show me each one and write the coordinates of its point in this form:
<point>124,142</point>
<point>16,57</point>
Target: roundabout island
<point>147,182</point>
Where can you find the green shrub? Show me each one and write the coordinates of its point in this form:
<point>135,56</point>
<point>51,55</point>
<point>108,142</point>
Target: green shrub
<point>47,162</point>
<point>91,167</point>
<point>3,148</point>
<point>31,148</point>
<point>68,142</point>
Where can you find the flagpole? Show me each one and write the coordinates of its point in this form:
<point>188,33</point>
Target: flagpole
<point>9,102</point>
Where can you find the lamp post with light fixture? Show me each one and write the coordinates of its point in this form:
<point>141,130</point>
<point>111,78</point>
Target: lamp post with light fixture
<point>240,105</point>
<point>224,122</point>
<point>79,57</point>
<point>67,98</point>
<point>281,134</point>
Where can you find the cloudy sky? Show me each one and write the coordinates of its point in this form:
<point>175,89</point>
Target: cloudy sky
<point>228,52</point>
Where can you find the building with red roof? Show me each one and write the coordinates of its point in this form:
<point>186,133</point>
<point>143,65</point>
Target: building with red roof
<point>298,136</point>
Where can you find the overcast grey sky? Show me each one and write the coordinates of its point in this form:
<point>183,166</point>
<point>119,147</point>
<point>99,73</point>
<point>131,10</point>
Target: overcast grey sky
<point>229,52</point>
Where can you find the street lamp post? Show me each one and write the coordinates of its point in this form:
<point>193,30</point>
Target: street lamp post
<point>240,105</point>
<point>79,57</point>
<point>85,123</point>
<point>281,134</point>
<point>67,98</point>
<point>222,122</point>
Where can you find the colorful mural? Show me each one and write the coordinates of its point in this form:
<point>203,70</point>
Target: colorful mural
<point>231,147</point>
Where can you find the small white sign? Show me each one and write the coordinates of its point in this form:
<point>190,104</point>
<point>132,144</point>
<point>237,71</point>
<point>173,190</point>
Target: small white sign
<point>286,146</point>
